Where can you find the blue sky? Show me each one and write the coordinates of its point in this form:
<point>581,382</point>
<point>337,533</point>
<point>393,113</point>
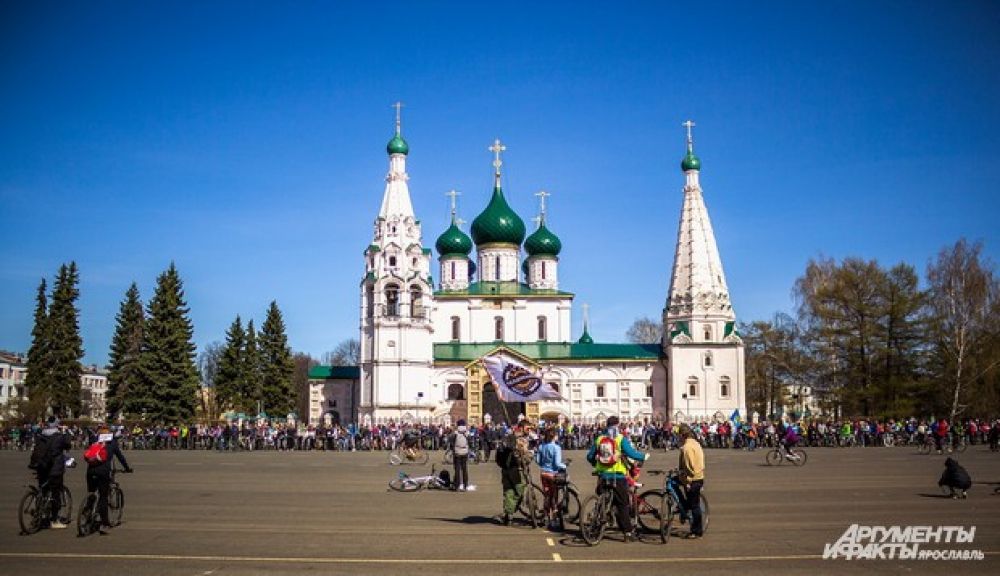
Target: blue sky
<point>246,141</point>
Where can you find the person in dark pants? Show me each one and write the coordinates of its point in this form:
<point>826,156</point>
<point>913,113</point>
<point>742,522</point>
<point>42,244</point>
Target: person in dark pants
<point>692,473</point>
<point>459,442</point>
<point>51,469</point>
<point>956,478</point>
<point>99,473</point>
<point>607,456</point>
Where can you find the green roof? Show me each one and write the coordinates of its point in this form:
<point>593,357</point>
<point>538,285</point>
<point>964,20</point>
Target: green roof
<point>334,373</point>
<point>453,242</point>
<point>543,242</point>
<point>541,351</point>
<point>498,223</point>
<point>397,146</point>
<point>690,162</point>
<point>500,290</point>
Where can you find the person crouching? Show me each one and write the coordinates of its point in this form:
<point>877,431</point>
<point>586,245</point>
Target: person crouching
<point>955,478</point>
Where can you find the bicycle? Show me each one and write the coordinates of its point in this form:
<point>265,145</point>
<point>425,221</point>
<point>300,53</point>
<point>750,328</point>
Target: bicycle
<point>88,520</point>
<point>415,455</point>
<point>673,505</point>
<point>777,456</point>
<point>567,500</point>
<point>598,512</point>
<point>531,503</point>
<point>33,511</point>
<point>406,483</point>
<point>475,455</point>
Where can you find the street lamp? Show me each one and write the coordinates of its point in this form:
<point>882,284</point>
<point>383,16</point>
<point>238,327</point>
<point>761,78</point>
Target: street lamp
<point>419,396</point>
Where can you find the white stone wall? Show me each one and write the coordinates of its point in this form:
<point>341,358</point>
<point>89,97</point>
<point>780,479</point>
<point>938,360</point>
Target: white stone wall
<point>543,273</point>
<point>520,318</point>
<point>454,274</point>
<point>510,263</point>
<point>688,366</point>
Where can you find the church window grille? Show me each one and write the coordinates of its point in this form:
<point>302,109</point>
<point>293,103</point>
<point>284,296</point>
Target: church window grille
<point>498,328</point>
<point>456,328</point>
<point>416,303</point>
<point>392,300</point>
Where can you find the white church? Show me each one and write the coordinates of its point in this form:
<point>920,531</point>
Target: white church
<point>498,293</point>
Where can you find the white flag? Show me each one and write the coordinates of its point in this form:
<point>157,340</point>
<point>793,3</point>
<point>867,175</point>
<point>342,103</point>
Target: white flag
<point>515,383</point>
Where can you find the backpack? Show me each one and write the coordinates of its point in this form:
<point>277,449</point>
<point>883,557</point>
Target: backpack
<point>41,460</point>
<point>96,454</point>
<point>607,451</point>
<point>445,478</point>
<point>461,445</point>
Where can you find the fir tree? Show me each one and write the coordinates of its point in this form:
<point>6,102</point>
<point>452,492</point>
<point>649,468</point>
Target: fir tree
<point>229,377</point>
<point>65,344</point>
<point>126,392</point>
<point>277,365</point>
<point>38,380</point>
<point>167,362</point>
<point>251,387</point>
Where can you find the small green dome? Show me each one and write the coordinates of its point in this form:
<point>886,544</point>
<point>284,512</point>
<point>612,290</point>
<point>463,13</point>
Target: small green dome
<point>498,223</point>
<point>585,338</point>
<point>543,242</point>
<point>453,242</point>
<point>690,162</point>
<point>397,146</point>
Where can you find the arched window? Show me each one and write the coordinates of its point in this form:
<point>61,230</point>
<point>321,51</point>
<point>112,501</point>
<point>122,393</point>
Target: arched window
<point>416,304</point>
<point>693,387</point>
<point>456,392</point>
<point>724,387</point>
<point>708,359</point>
<point>542,328</point>
<point>600,391</point>
<point>392,261</point>
<point>554,385</point>
<point>370,301</point>
<point>708,332</point>
<point>497,264</point>
<point>498,328</point>
<point>456,328</point>
<point>392,300</point>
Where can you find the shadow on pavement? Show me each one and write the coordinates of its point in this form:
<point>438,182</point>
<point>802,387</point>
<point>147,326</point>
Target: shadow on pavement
<point>944,496</point>
<point>468,520</point>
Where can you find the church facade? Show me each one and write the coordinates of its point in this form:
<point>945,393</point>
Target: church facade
<point>498,293</point>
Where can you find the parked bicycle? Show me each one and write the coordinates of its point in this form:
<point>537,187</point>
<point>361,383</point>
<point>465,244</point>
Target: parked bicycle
<point>567,500</point>
<point>36,505</point>
<point>673,506</point>
<point>476,456</point>
<point>88,520</point>
<point>598,511</point>
<point>777,456</point>
<point>531,504</point>
<point>406,483</point>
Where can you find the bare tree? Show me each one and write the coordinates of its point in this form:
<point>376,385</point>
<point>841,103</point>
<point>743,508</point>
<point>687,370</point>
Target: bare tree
<point>645,330</point>
<point>346,353</point>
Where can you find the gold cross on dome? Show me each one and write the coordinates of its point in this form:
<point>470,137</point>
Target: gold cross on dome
<point>496,149</point>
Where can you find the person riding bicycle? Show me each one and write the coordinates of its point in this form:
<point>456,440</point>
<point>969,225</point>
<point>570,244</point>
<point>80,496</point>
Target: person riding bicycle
<point>607,454</point>
<point>99,472</point>
<point>789,440</point>
<point>691,470</point>
<point>550,464</point>
<point>410,441</point>
<point>48,460</point>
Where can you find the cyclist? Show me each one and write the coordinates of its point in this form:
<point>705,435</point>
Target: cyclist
<point>99,473</point>
<point>789,439</point>
<point>607,454</point>
<point>691,469</point>
<point>410,441</point>
<point>48,460</point>
<point>550,464</point>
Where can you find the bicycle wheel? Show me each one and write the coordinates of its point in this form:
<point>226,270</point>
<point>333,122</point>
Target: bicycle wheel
<point>28,514</point>
<point>774,458</point>
<point>648,509</point>
<point>802,457</point>
<point>116,505</point>
<point>66,506</point>
<point>569,507</point>
<point>592,520</point>
<point>87,517</point>
<point>667,507</point>
<point>423,457</point>
<point>395,458</point>
<point>404,485</point>
<point>530,505</point>
<point>704,513</point>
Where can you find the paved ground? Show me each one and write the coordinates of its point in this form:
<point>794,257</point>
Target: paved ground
<point>198,513</point>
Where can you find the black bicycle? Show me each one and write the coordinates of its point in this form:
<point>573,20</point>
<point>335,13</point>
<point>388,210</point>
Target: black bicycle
<point>36,504</point>
<point>673,506</point>
<point>88,520</point>
<point>567,500</point>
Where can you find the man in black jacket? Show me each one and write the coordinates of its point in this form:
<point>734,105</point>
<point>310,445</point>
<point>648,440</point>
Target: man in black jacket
<point>956,478</point>
<point>99,473</point>
<point>52,467</point>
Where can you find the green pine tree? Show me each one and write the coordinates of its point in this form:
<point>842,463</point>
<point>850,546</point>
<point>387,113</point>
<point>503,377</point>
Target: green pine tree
<point>229,377</point>
<point>126,393</point>
<point>65,344</point>
<point>251,386</point>
<point>277,365</point>
<point>38,380</point>
<point>167,362</point>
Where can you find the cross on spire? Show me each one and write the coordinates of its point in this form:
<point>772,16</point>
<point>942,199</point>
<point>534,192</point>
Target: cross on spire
<point>453,194</point>
<point>586,315</point>
<point>398,106</point>
<point>689,125</point>
<point>496,149</point>
<point>542,195</point>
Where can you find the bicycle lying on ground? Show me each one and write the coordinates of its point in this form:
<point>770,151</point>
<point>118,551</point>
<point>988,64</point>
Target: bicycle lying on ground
<point>406,483</point>
<point>673,506</point>
<point>88,520</point>
<point>777,456</point>
<point>35,507</point>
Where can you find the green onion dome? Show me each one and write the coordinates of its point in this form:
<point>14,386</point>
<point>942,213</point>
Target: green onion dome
<point>690,162</point>
<point>498,223</point>
<point>453,242</point>
<point>397,146</point>
<point>542,242</point>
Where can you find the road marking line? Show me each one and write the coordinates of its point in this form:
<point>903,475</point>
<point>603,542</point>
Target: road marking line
<point>556,557</point>
<point>550,542</point>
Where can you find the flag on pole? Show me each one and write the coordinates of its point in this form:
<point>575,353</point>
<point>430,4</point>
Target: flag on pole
<point>515,383</point>
<point>735,416</point>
